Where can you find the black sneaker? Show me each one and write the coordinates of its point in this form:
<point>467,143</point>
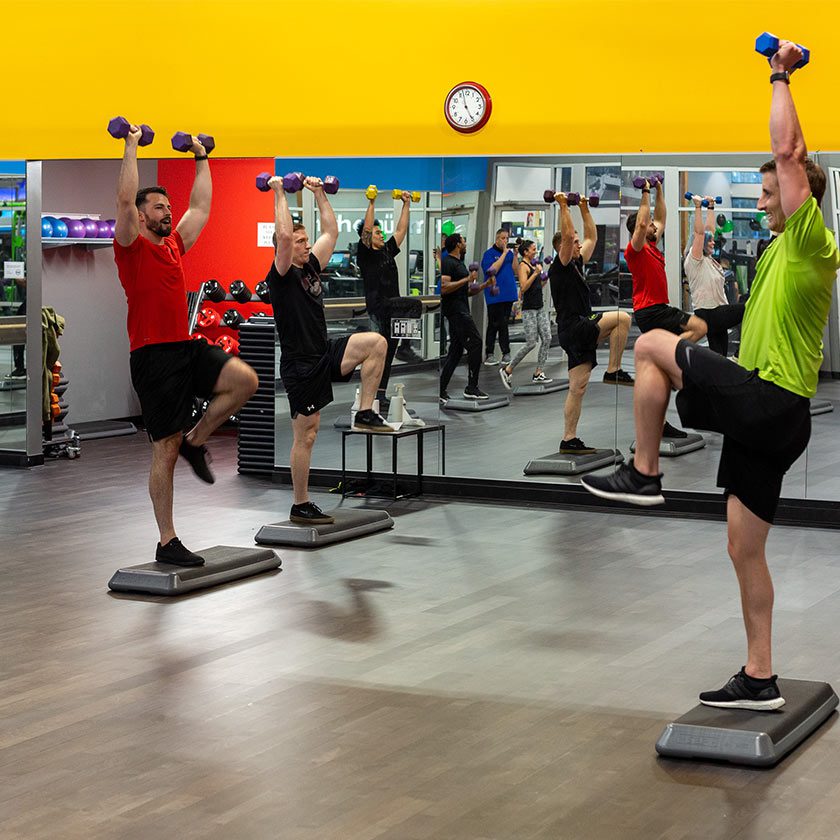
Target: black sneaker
<point>310,514</point>
<point>407,354</point>
<point>670,431</point>
<point>18,373</point>
<point>473,392</point>
<point>575,446</point>
<point>626,484</point>
<point>370,421</point>
<point>176,554</point>
<point>619,377</point>
<point>199,459</point>
<point>444,397</point>
<point>745,692</point>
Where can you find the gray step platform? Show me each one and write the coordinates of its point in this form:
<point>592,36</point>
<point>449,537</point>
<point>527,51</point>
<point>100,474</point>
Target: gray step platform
<point>744,737</point>
<point>104,428</point>
<point>557,464</point>
<point>674,447</point>
<point>475,405</point>
<point>223,563</point>
<point>349,523</point>
<point>821,407</point>
<point>534,389</point>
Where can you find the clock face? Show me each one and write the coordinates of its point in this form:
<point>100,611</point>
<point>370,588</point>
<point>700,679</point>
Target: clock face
<point>467,107</point>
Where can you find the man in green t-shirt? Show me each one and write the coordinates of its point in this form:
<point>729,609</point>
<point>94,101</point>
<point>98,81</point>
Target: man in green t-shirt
<point>761,404</point>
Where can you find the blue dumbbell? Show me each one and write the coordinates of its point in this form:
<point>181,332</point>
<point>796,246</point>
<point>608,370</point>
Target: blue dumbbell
<point>689,196</point>
<point>768,46</point>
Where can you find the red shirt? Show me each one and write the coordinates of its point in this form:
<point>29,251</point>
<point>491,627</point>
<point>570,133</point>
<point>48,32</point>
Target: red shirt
<point>650,284</point>
<point>155,288</point>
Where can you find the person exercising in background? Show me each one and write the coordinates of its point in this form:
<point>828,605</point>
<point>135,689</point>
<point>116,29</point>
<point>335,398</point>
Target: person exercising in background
<point>457,285</point>
<point>500,261</point>
<point>578,328</point>
<point>380,275</point>
<point>650,283</point>
<point>168,369</point>
<point>761,404</point>
<point>309,360</point>
<point>706,282</point>
<point>535,317</point>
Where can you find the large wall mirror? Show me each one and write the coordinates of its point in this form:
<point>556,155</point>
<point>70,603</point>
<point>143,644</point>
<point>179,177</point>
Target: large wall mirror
<point>13,374</point>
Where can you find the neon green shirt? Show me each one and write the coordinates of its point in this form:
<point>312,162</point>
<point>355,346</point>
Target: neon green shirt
<point>789,301</point>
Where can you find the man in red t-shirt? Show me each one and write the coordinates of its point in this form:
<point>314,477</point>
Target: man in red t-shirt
<point>647,265</point>
<point>167,368</point>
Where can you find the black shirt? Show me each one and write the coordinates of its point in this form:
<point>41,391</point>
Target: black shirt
<point>379,273</point>
<point>532,298</point>
<point>457,302</point>
<point>297,299</point>
<point>569,291</point>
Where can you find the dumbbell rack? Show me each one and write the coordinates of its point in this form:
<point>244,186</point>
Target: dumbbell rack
<point>197,300</point>
<point>255,440</point>
<point>59,440</point>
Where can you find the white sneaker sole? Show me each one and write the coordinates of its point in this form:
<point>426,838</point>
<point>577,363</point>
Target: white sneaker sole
<point>749,705</point>
<point>378,430</point>
<point>630,498</point>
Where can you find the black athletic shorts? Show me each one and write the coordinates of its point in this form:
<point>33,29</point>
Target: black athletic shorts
<point>168,377</point>
<point>579,339</point>
<point>765,427</point>
<point>660,316</point>
<point>308,380</point>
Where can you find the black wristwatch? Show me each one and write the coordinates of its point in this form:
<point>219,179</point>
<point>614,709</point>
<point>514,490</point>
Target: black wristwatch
<point>784,76</point>
<point>201,157</point>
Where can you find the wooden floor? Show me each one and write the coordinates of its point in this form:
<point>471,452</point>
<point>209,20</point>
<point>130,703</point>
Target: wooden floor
<point>478,673</point>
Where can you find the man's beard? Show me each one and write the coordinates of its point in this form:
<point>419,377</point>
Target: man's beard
<point>162,229</point>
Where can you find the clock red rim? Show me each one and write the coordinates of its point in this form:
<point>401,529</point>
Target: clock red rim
<point>484,117</point>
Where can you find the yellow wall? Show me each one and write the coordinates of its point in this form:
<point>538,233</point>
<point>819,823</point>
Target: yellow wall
<point>324,77</point>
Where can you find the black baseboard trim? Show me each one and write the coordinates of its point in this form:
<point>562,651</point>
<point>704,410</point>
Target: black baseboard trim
<point>13,458</point>
<point>799,513</point>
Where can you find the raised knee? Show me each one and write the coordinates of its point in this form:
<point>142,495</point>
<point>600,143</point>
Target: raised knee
<point>250,381</point>
<point>643,345</point>
<point>381,346</point>
<point>624,319</point>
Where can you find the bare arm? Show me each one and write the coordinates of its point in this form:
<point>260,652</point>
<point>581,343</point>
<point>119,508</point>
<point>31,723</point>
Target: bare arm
<point>590,231</point>
<point>282,227</point>
<point>659,212</point>
<point>699,236</point>
<point>127,228</point>
<point>194,220</point>
<point>567,230</point>
<point>642,222</point>
<point>325,243</point>
<point>786,139</point>
<point>527,275</point>
<point>448,285</point>
<point>367,225</point>
<point>402,222</point>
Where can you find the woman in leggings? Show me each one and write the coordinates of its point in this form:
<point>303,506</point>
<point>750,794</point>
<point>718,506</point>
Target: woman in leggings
<point>534,315</point>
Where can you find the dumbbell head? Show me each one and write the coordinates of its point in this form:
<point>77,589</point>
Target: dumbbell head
<point>371,192</point>
<point>263,292</point>
<point>495,290</point>
<point>213,291</point>
<point>118,127</point>
<point>181,141</point>
<point>229,344</point>
<point>232,319</point>
<point>331,185</point>
<point>262,181</point>
<point>548,196</point>
<point>208,318</point>
<point>207,141</point>
<point>573,199</point>
<point>240,291</point>
<point>594,199</point>
<point>474,266</point>
<point>197,336</point>
<point>293,182</point>
<point>491,272</point>
<point>543,276</point>
<point>548,260</point>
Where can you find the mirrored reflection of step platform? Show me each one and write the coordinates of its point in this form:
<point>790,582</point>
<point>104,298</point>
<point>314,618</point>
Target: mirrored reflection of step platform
<point>463,404</point>
<point>562,464</point>
<point>536,389</point>
<point>674,447</point>
<point>349,524</point>
<point>821,407</point>
<point>222,564</point>
<point>745,737</point>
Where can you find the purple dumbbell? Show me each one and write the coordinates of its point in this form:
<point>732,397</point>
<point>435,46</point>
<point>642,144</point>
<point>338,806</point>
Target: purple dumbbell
<point>293,182</point>
<point>262,181</point>
<point>474,266</point>
<point>548,196</point>
<point>548,260</point>
<point>119,126</point>
<point>331,184</point>
<point>653,180</point>
<point>182,141</point>
<point>543,276</point>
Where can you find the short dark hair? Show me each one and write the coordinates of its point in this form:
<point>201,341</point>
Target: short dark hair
<point>295,228</point>
<point>361,224</point>
<point>815,173</point>
<point>452,242</point>
<point>556,241</point>
<point>142,195</point>
<point>631,223</point>
<point>524,246</point>
<point>502,230</point>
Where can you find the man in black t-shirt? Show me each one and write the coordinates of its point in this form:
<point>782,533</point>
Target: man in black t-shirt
<point>309,361</point>
<point>579,329</point>
<point>457,285</point>
<point>376,262</point>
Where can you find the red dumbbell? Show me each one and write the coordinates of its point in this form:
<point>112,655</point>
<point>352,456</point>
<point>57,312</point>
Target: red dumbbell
<point>228,344</point>
<point>208,318</point>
